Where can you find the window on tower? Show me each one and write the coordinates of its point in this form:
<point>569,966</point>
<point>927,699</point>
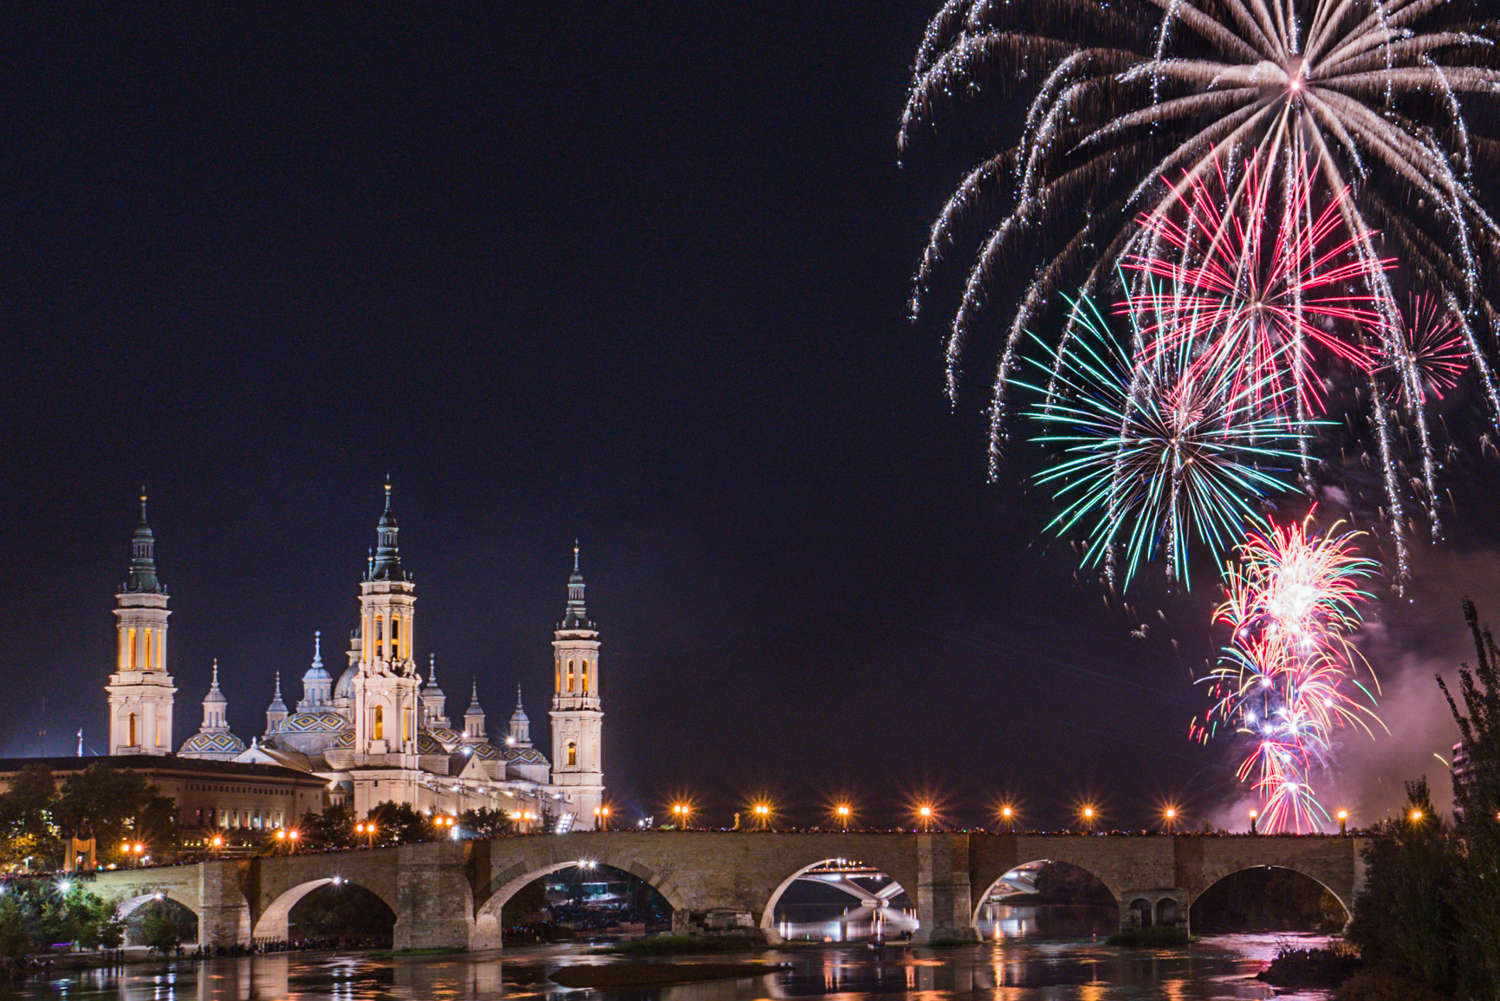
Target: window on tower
<point>570,675</point>
<point>572,753</point>
<point>132,725</point>
<point>377,729</point>
<point>585,677</point>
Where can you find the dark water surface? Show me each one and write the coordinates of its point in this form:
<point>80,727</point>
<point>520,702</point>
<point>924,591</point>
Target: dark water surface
<point>1008,970</point>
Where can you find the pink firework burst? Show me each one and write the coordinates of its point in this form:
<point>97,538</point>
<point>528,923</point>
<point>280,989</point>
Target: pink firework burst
<point>1288,676</point>
<point>1251,268</point>
<point>1431,350</point>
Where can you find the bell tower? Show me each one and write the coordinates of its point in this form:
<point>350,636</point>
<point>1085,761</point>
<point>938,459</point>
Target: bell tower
<point>140,689</point>
<point>386,702</point>
<point>577,712</point>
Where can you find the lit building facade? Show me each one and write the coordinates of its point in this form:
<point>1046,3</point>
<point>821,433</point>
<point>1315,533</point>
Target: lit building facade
<point>378,733</point>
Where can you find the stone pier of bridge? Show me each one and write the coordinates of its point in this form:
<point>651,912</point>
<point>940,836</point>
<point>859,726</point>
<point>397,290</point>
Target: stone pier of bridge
<point>450,894</point>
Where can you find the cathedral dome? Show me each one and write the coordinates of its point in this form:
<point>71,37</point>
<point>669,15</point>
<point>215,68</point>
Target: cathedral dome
<point>445,735</point>
<point>212,743</point>
<point>345,688</point>
<point>524,756</point>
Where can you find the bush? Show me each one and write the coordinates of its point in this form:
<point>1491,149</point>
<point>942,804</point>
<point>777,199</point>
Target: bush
<point>1311,967</point>
<point>1152,937</point>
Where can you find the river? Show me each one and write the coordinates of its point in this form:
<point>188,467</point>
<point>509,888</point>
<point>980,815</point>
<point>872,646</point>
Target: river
<point>1006,970</point>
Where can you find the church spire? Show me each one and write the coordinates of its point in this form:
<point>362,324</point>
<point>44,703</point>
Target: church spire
<point>276,711</point>
<point>474,716</point>
<point>575,616</point>
<point>215,705</point>
<point>385,562</point>
<point>142,577</point>
<point>317,683</point>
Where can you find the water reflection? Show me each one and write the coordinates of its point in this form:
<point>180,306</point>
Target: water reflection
<point>1008,970</point>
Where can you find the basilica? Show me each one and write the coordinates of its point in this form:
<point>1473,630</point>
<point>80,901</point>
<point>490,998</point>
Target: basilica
<point>380,731</point>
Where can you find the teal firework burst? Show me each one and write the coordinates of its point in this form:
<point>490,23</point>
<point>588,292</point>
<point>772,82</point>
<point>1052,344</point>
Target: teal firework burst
<point>1154,449</point>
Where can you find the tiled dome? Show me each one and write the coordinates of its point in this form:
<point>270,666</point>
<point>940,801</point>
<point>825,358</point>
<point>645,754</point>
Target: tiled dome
<point>524,756</point>
<point>212,743</point>
<point>315,722</point>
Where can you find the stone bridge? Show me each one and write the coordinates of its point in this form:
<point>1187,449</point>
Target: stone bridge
<point>450,893</point>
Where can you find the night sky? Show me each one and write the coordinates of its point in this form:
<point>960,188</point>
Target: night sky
<point>634,273</point>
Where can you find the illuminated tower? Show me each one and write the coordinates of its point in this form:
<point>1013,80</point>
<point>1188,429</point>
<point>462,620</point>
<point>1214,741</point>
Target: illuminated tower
<point>140,689</point>
<point>385,707</point>
<point>577,713</point>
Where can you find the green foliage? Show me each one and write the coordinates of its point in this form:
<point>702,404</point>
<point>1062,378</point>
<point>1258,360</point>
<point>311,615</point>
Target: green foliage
<point>1150,937</point>
<point>1300,968</point>
<point>36,914</point>
<point>333,828</point>
<point>1476,890</point>
<point>26,827</point>
<point>160,930</point>
<point>1404,919</point>
<point>113,805</point>
<point>486,823</point>
<point>399,824</point>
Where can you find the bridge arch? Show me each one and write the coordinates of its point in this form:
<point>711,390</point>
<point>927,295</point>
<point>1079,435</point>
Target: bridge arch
<point>272,922</point>
<point>487,925</point>
<point>886,894</point>
<point>1303,872</point>
<point>125,908</point>
<point>1019,876</point>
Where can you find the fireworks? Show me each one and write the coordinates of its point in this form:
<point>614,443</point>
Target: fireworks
<point>1431,347</point>
<point>1258,285</point>
<point>1367,95</point>
<point>1155,452</point>
<point>1289,676</point>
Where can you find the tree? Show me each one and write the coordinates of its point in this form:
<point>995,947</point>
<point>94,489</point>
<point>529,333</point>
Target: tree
<point>331,829</point>
<point>26,827</point>
<point>398,823</point>
<point>159,928</point>
<point>486,823</point>
<point>1476,797</point>
<point>113,805</point>
<point>1404,920</point>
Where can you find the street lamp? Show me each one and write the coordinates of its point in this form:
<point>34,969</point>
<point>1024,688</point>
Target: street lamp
<point>843,812</point>
<point>1343,816</point>
<point>1416,816</point>
<point>924,816</point>
<point>762,813</point>
<point>681,811</point>
<point>1087,813</point>
<point>1008,814</point>
<point>216,842</point>
<point>1254,815</point>
<point>367,828</point>
<point>1169,816</point>
<point>601,817</point>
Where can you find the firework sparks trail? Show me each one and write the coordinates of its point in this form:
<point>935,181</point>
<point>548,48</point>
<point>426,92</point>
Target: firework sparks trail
<point>1153,454</point>
<point>1288,676</point>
